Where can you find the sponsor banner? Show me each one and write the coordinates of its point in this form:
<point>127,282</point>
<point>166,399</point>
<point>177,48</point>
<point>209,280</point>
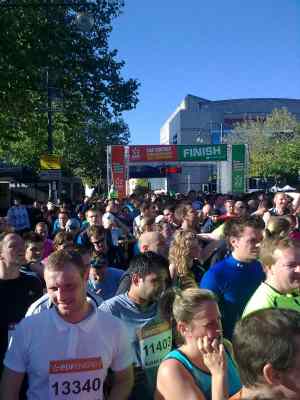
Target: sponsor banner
<point>152,153</point>
<point>238,168</point>
<point>118,170</point>
<point>50,162</point>
<point>217,152</point>
<point>50,175</point>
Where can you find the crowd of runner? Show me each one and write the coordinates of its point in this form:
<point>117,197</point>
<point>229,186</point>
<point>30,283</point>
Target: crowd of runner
<point>182,297</point>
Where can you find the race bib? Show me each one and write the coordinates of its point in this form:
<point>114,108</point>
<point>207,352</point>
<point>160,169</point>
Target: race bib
<point>80,379</point>
<point>155,344</point>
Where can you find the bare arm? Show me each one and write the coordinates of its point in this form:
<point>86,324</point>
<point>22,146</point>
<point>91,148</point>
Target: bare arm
<point>214,358</point>
<point>174,382</point>
<point>122,384</point>
<point>296,199</point>
<point>10,384</point>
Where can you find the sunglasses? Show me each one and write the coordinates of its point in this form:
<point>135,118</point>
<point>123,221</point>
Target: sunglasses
<point>99,241</point>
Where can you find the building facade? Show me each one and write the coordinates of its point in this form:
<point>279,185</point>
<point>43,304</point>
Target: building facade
<point>200,121</point>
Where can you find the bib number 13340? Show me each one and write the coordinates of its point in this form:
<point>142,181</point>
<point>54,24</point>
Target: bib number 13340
<point>76,379</point>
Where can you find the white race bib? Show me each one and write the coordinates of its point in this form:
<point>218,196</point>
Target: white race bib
<point>80,379</point>
<point>155,344</point>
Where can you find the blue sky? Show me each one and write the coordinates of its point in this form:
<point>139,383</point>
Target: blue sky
<point>215,49</point>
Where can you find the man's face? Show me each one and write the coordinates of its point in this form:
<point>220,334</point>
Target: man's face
<point>151,287</point>
<point>33,252</point>
<point>281,200</point>
<point>206,209</point>
<point>42,230</point>
<point>229,206</point>
<point>13,250</point>
<point>62,219</point>
<point>94,218</point>
<point>240,208</point>
<point>286,270</point>
<point>150,212</point>
<point>112,207</point>
<point>246,247</point>
<point>169,215</point>
<point>97,274</point>
<point>66,290</point>
<point>159,246</point>
<point>99,244</point>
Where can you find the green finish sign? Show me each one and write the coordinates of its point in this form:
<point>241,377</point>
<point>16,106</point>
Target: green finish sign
<point>213,152</point>
<point>238,168</point>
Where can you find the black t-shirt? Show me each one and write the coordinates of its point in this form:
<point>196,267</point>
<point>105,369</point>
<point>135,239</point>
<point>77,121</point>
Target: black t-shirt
<point>16,295</point>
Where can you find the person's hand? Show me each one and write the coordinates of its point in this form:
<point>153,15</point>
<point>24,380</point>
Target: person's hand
<point>213,355</point>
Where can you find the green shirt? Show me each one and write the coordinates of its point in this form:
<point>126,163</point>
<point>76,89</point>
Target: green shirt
<point>265,297</point>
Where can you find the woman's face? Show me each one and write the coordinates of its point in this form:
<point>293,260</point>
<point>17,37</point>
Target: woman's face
<point>206,322</point>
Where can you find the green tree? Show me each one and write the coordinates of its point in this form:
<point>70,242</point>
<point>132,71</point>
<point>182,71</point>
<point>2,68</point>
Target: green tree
<point>274,144</point>
<point>44,55</point>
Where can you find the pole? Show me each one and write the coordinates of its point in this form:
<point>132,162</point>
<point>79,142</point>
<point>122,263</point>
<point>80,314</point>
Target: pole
<point>49,116</point>
<point>221,134</point>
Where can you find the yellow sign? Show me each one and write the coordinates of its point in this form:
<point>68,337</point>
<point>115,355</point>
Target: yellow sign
<point>50,162</point>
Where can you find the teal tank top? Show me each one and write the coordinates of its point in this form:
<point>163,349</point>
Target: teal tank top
<point>203,379</point>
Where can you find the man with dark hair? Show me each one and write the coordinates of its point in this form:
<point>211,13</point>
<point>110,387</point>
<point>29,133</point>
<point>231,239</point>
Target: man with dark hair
<point>150,335</point>
<point>267,350</point>
<point>94,218</point>
<point>68,349</point>
<point>235,278</point>
<point>33,255</point>
<point>147,209</point>
<point>103,280</point>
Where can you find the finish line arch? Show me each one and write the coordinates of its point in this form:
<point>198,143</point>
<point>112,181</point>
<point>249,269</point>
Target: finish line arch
<point>231,162</point>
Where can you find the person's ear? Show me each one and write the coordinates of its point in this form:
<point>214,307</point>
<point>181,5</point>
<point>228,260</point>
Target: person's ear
<point>271,375</point>
<point>144,248</point>
<point>232,241</point>
<point>135,279</point>
<point>183,328</point>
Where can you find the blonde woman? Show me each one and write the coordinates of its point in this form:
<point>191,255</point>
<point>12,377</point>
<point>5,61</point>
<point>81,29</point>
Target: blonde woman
<point>202,368</point>
<point>185,259</point>
<point>277,227</point>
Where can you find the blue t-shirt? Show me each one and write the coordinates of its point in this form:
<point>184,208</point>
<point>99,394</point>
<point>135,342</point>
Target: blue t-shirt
<point>150,337</point>
<point>107,288</point>
<point>234,282</point>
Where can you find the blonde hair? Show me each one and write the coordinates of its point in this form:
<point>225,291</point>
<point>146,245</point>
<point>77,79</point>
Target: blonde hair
<point>180,250</point>
<point>277,228</point>
<point>182,305</point>
<point>269,246</point>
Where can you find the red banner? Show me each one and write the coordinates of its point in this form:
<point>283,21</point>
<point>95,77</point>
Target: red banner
<point>153,153</point>
<point>118,170</point>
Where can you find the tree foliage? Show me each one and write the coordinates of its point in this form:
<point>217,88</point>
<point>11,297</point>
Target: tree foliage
<point>273,142</point>
<point>44,55</point>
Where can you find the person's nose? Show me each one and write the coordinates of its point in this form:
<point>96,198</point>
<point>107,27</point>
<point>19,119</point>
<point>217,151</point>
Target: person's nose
<point>297,269</point>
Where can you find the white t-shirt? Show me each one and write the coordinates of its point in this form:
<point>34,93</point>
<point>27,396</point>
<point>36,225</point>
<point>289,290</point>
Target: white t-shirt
<point>66,361</point>
<point>107,219</point>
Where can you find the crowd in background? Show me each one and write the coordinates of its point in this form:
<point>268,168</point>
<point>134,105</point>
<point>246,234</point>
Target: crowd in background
<point>198,270</point>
